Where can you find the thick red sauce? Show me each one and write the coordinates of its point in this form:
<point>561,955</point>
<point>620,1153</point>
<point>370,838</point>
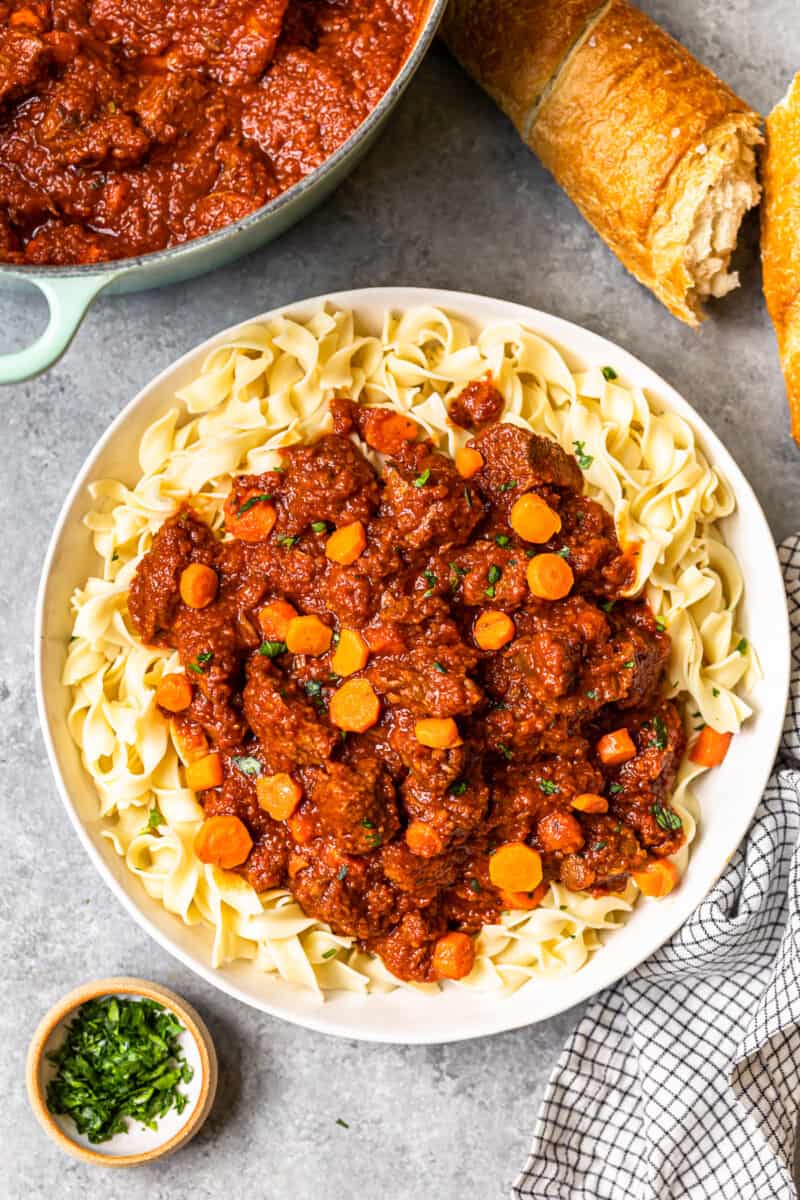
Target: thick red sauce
<point>131,125</point>
<point>439,552</point>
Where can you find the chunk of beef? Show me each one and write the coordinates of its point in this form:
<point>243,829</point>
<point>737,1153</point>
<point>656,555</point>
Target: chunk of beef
<point>287,725</point>
<point>326,481</point>
<point>428,503</point>
<point>478,404</point>
<point>516,461</point>
<point>154,594</point>
<point>356,803</point>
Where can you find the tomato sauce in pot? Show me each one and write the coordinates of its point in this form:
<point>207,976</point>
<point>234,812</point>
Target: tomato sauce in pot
<point>127,126</point>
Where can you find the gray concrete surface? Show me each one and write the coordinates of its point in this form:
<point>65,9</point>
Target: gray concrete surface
<point>449,197</point>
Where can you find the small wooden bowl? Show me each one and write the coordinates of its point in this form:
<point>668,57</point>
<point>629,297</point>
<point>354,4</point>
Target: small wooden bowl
<point>139,1145</point>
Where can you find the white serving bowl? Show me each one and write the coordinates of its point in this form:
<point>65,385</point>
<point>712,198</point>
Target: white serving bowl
<point>728,795</point>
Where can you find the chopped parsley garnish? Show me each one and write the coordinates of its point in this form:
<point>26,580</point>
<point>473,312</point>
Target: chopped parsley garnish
<point>599,845</point>
<point>319,526</point>
<point>563,552</point>
<point>494,574</point>
<point>120,1058</point>
<point>248,504</point>
<point>591,694</point>
<point>504,750</point>
<point>342,873</point>
<point>114,556</point>
<point>660,740</point>
<point>614,788</point>
<point>343,1124</point>
<point>272,649</point>
<point>474,885</point>
<point>666,819</point>
<point>154,818</point>
<point>313,689</point>
<point>374,840</point>
<point>288,540</point>
<point>468,496</point>
<point>508,485</point>
<point>457,575</point>
<point>437,666</point>
<point>201,662</point>
<point>715,692</point>
<point>629,665</point>
<point>661,624</point>
<point>548,787</point>
<point>430,578</point>
<point>607,605</point>
<point>458,788</point>
<point>584,460</point>
<point>530,551</point>
<point>742,646</point>
<point>247,765</point>
<point>334,950</point>
<point>502,539</point>
<point>609,373</point>
<point>422,478</point>
<point>367,823</point>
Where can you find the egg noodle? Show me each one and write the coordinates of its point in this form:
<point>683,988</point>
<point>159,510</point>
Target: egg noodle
<point>269,386</point>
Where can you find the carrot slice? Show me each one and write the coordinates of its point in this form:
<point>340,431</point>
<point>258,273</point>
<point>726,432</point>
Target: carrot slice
<point>439,733</point>
<point>590,802</point>
<point>386,431</point>
<point>453,956</point>
<point>525,899</point>
<point>616,747</point>
<point>354,706</point>
<point>533,519</point>
<point>351,654</point>
<point>423,840</point>
<point>468,462</point>
<point>251,517</point>
<point>204,773</point>
<point>515,867</point>
<point>274,619</point>
<point>198,585</point>
<point>493,630</point>
<point>174,693</point>
<point>308,635</point>
<point>657,878</point>
<point>345,545</point>
<point>550,576</point>
<point>710,748</point>
<point>279,795</point>
<point>223,841</point>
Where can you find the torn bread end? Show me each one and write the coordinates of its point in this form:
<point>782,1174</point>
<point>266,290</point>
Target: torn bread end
<point>716,225</point>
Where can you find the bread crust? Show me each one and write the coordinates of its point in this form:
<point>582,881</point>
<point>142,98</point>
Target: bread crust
<point>780,238</point>
<point>514,48</point>
<point>620,131</point>
<point>636,131</point>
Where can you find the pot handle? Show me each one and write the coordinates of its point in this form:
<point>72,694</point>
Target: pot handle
<point>69,298</point>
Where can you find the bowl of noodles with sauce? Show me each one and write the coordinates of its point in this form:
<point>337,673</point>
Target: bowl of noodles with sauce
<point>397,664</point>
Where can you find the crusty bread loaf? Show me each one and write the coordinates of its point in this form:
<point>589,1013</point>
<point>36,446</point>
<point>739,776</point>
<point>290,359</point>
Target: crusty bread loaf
<point>656,152</point>
<point>514,48</point>
<point>780,238</point>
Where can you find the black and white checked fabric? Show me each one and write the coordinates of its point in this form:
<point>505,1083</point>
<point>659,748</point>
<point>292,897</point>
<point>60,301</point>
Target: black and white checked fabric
<point>682,1082</point>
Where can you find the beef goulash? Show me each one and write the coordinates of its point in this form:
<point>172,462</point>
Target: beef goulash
<point>780,238</point>
<point>656,152</point>
<point>416,696</point>
<point>130,125</point>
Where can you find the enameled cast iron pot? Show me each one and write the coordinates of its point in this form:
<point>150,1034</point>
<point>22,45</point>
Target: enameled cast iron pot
<point>70,290</point>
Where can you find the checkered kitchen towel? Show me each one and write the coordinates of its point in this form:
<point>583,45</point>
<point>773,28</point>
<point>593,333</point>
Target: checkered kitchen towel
<point>682,1082</point>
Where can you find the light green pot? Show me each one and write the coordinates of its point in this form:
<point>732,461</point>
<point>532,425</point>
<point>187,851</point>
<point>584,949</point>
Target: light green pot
<point>70,290</point>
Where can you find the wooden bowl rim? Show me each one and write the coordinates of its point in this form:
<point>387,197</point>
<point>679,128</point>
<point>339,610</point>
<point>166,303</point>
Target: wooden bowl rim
<point>121,986</point>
